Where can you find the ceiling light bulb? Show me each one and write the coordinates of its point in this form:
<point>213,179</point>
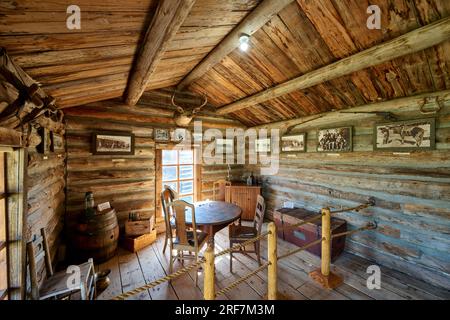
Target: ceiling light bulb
<point>244,41</point>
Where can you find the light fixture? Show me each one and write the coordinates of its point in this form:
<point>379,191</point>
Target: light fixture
<point>244,42</point>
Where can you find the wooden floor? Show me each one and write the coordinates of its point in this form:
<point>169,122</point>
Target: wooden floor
<point>131,270</point>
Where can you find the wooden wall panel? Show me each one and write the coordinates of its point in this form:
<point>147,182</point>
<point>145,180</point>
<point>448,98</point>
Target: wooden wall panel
<point>412,195</point>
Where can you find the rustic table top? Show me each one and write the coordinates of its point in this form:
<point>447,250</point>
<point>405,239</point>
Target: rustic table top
<point>214,213</point>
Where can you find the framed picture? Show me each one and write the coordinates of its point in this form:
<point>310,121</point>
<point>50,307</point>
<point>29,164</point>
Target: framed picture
<point>46,141</point>
<point>179,135</point>
<point>162,135</point>
<point>262,145</point>
<point>335,140</point>
<point>294,143</point>
<point>224,146</point>
<point>408,135</point>
<point>113,143</point>
<point>57,143</point>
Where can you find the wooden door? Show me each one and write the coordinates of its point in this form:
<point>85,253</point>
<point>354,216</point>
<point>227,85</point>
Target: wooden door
<point>3,246</point>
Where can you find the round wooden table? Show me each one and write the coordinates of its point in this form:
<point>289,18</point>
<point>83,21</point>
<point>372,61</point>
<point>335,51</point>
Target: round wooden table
<point>213,216</point>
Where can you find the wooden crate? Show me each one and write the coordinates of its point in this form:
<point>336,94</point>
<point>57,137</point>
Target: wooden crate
<point>138,228</point>
<point>134,244</point>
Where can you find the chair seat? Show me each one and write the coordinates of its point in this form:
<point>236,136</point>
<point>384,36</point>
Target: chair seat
<point>56,285</point>
<point>201,238</point>
<point>242,232</point>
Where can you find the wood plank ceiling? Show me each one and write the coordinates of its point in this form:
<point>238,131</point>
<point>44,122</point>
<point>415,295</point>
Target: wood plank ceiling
<point>92,64</point>
<point>309,34</point>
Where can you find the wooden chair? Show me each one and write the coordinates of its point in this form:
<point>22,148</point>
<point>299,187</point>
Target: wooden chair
<point>186,239</point>
<point>61,284</point>
<point>167,196</point>
<point>219,189</point>
<point>240,233</point>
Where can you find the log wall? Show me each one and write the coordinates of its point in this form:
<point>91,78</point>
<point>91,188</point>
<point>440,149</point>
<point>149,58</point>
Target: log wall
<point>128,182</point>
<point>412,193</point>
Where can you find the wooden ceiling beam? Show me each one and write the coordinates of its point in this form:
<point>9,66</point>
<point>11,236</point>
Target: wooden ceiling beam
<point>398,105</point>
<point>254,21</point>
<point>168,18</point>
<point>411,42</point>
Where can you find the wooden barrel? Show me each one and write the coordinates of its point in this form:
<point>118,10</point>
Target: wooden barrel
<point>94,237</point>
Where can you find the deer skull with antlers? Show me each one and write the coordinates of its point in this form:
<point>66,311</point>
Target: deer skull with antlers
<point>183,116</point>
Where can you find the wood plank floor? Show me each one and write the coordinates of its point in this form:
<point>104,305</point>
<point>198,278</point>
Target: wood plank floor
<point>131,270</point>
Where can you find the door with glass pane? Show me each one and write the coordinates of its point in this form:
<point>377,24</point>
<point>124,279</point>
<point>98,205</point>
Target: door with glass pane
<point>178,172</point>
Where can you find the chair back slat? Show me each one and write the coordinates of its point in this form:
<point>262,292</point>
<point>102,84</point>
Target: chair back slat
<point>219,187</point>
<point>167,196</point>
<point>259,213</point>
<point>179,209</point>
<point>38,250</point>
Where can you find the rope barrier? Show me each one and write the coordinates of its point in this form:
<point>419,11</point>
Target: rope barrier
<point>300,249</point>
<point>155,283</point>
<point>242,245</point>
<point>241,280</point>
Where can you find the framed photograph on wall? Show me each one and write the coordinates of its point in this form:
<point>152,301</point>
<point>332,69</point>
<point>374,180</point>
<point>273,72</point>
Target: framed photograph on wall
<point>113,143</point>
<point>335,140</point>
<point>294,143</point>
<point>162,135</point>
<point>179,135</point>
<point>57,143</point>
<point>408,135</point>
<point>262,145</point>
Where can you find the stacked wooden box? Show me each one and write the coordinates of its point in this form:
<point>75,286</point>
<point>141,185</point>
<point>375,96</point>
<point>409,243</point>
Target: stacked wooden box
<point>139,234</point>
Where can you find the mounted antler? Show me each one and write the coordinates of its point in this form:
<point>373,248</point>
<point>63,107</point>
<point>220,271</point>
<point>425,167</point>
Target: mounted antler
<point>182,116</point>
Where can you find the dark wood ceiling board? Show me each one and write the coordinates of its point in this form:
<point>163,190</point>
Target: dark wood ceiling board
<point>192,37</point>
<point>75,56</point>
<point>85,5</point>
<point>367,87</point>
<point>330,26</point>
<point>282,108</point>
<point>308,105</point>
<point>58,42</point>
<point>28,22</point>
<point>429,11</point>
<point>203,86</point>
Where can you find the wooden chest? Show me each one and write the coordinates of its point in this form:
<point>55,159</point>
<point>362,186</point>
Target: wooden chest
<point>311,231</point>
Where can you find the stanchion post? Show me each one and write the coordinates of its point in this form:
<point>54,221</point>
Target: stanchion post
<point>209,275</point>
<point>324,276</point>
<point>272,269</point>
<point>326,242</point>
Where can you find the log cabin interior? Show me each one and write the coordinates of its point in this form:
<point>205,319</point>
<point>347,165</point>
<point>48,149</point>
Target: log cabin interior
<point>115,118</point>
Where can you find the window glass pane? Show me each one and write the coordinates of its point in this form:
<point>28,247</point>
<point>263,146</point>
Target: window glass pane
<point>186,187</point>
<point>186,157</point>
<point>169,173</point>
<point>186,172</point>
<point>189,199</point>
<point>169,157</point>
<point>173,185</point>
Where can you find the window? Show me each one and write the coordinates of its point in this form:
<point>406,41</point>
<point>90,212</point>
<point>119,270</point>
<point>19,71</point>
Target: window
<point>178,172</point>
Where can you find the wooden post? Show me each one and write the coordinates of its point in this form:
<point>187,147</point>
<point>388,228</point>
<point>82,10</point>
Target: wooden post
<point>209,274</point>
<point>326,242</point>
<point>272,269</point>
<point>324,276</point>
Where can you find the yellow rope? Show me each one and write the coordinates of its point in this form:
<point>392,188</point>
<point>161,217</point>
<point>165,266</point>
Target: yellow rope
<point>242,245</point>
<point>369,226</point>
<point>155,283</point>
<point>241,280</point>
<point>300,249</point>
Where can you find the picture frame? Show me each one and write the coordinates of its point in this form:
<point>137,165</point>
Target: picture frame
<point>57,144</point>
<point>335,140</point>
<point>178,135</point>
<point>113,143</point>
<point>161,135</point>
<point>224,146</point>
<point>293,143</point>
<point>46,141</point>
<point>405,136</point>
<point>263,145</point>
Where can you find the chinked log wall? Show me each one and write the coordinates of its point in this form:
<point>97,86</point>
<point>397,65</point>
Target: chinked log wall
<point>412,195</point>
<point>128,182</point>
